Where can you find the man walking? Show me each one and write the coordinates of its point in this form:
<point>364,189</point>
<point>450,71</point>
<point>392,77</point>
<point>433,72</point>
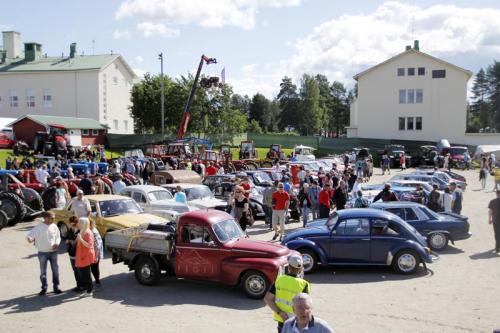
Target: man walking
<point>304,319</point>
<point>46,238</point>
<point>281,201</point>
<point>313,193</point>
<point>340,196</point>
<point>285,288</point>
<point>324,202</point>
<point>434,202</point>
<point>267,200</point>
<point>494,218</point>
<point>456,198</point>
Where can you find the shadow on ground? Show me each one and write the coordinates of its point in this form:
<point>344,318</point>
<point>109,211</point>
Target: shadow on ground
<point>32,303</point>
<point>485,255</point>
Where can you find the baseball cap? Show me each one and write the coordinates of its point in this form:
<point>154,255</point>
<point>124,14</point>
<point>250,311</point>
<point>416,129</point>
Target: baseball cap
<point>295,261</point>
<point>79,192</point>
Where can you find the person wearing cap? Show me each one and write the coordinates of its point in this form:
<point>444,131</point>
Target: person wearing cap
<point>281,201</point>
<point>494,218</point>
<point>80,205</point>
<point>285,288</point>
<point>304,319</point>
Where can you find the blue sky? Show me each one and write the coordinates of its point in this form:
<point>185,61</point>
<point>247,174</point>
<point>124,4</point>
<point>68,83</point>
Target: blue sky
<point>259,41</point>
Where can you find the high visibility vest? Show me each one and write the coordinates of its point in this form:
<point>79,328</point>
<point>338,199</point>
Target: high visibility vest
<point>286,288</point>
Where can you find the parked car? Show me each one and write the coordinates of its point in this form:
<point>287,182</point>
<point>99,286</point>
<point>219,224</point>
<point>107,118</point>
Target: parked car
<point>361,237</point>
<point>203,245</point>
<point>424,178</point>
<point>6,141</point>
<point>438,228</point>
<point>443,176</point>
<point>223,191</point>
<point>199,196</point>
<point>215,180</point>
<point>156,200</point>
<point>111,212</point>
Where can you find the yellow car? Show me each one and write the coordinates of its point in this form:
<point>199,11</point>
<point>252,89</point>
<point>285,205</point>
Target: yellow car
<point>111,212</point>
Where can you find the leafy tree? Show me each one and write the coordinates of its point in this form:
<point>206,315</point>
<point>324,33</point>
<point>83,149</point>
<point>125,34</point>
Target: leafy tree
<point>480,103</point>
<point>260,110</point>
<point>254,127</point>
<point>241,103</point>
<point>310,110</point>
<point>339,116</point>
<point>493,76</point>
<point>289,103</point>
<point>325,99</point>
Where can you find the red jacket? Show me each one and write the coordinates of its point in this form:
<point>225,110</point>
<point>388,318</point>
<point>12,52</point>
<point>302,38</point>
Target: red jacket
<point>324,198</point>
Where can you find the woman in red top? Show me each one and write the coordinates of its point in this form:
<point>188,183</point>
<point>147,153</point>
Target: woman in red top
<point>85,254</point>
<point>324,201</point>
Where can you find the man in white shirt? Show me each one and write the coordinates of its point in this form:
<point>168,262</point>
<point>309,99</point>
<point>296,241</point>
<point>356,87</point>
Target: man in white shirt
<point>81,205</point>
<point>304,321</point>
<point>118,184</point>
<point>46,238</point>
<point>42,175</point>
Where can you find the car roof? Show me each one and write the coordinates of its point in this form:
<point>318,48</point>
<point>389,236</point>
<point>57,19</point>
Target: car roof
<point>396,204</point>
<point>145,188</point>
<point>364,212</point>
<point>210,216</point>
<point>106,197</point>
<point>183,185</point>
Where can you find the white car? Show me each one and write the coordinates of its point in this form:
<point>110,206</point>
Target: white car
<point>303,153</point>
<point>156,200</point>
<point>198,196</point>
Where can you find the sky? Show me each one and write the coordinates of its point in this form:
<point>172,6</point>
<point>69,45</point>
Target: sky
<point>258,42</point>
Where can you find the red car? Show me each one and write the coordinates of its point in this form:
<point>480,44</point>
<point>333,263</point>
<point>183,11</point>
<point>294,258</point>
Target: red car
<point>5,141</point>
<point>203,245</point>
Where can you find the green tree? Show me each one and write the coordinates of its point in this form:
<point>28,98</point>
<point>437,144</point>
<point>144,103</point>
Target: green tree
<point>311,112</point>
<point>339,115</point>
<point>325,99</point>
<point>254,127</point>
<point>493,76</point>
<point>480,106</point>
<point>289,103</point>
<point>260,110</point>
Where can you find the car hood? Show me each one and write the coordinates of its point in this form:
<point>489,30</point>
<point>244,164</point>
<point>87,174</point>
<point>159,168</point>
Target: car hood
<point>309,231</point>
<point>207,203</point>
<point>253,248</point>
<point>171,205</point>
<point>132,220</point>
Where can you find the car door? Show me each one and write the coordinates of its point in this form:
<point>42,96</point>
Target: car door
<point>383,239</point>
<point>197,255</point>
<point>141,200</point>
<point>350,241</point>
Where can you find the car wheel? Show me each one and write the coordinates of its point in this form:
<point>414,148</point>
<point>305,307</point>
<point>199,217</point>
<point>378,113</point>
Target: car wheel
<point>63,229</point>
<point>255,284</point>
<point>437,241</point>
<point>406,262</point>
<point>310,260</point>
<point>13,206</point>
<point>4,220</point>
<point>147,271</point>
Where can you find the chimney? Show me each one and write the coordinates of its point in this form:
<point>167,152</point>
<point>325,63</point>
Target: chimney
<point>32,51</point>
<point>416,45</point>
<point>408,47</point>
<point>12,44</point>
<point>72,50</point>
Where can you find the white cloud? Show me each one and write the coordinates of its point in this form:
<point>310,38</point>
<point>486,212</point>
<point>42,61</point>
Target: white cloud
<point>139,72</point>
<point>150,29</point>
<point>138,59</point>
<point>206,13</point>
<point>121,34</point>
<point>349,44</point>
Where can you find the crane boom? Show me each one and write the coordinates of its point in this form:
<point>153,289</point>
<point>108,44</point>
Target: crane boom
<point>186,115</point>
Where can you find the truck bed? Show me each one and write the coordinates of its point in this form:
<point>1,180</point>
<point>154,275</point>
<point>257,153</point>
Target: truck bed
<point>147,238</point>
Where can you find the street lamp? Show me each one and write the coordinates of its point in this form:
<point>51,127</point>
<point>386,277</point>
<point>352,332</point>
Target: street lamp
<point>160,57</point>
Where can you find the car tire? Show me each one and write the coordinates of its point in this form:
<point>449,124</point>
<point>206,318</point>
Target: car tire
<point>310,260</point>
<point>13,206</point>
<point>147,271</point>
<point>437,241</point>
<point>4,220</point>
<point>63,229</point>
<point>406,262</point>
<point>255,284</point>
<point>49,198</point>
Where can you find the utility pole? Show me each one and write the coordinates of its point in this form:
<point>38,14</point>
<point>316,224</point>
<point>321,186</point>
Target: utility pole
<point>160,56</point>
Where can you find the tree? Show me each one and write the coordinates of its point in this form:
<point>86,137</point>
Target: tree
<point>340,106</point>
<point>493,77</point>
<point>254,127</point>
<point>260,110</point>
<point>289,103</point>
<point>325,99</point>
<point>310,110</point>
<point>241,103</point>
<point>480,105</point>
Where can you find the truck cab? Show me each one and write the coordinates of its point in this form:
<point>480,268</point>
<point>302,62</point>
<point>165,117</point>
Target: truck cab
<point>203,245</point>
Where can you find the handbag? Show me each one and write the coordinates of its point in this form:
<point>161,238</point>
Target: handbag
<point>249,218</point>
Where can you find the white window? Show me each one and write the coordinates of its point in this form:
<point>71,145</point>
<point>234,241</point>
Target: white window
<point>418,123</point>
<point>125,125</point>
<point>411,96</point>
<point>401,72</point>
<point>402,96</point>
<point>13,99</point>
<point>419,98</point>
<point>47,98</point>
<point>85,132</point>
<point>30,98</point>
<point>115,124</point>
<point>95,132</point>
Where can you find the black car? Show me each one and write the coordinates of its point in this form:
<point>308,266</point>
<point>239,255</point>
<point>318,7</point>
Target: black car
<point>223,191</point>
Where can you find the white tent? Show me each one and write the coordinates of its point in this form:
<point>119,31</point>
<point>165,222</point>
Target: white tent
<point>487,149</point>
<point>5,121</point>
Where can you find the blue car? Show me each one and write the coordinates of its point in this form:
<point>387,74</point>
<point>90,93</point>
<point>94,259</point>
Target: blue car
<point>438,228</point>
<point>361,237</point>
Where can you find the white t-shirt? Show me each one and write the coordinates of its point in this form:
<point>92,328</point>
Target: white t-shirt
<point>118,186</point>
<point>41,176</point>
<point>45,237</point>
<point>446,202</point>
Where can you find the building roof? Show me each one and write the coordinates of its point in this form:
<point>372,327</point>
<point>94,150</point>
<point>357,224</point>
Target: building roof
<point>67,122</point>
<point>78,63</point>
<point>412,50</point>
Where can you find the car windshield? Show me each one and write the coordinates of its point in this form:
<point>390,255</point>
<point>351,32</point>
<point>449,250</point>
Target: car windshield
<point>119,207</point>
<point>198,193</point>
<point>228,230</point>
<point>332,221</point>
<point>443,176</point>
<point>159,195</point>
<point>262,177</point>
<point>457,151</point>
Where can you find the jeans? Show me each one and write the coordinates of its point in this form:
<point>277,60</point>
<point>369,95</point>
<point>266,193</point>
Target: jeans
<point>315,210</point>
<point>324,211</point>
<point>78,281</point>
<point>84,273</point>
<point>43,257</point>
<point>496,230</point>
<point>305,214</point>
<point>269,214</point>
<point>94,268</point>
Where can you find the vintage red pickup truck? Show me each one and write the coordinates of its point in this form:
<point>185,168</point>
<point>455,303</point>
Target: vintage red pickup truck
<point>202,245</point>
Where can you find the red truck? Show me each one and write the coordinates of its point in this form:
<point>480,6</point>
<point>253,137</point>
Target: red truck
<point>202,245</point>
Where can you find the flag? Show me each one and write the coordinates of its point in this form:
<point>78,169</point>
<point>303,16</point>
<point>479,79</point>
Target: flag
<point>223,76</point>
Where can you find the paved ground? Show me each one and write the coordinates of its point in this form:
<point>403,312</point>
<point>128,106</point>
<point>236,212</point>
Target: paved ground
<point>460,293</point>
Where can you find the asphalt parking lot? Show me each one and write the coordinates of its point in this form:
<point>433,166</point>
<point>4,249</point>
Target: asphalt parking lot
<point>459,293</point>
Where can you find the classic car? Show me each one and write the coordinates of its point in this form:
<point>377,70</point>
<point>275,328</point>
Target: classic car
<point>223,191</point>
<point>198,196</point>
<point>111,212</point>
<point>444,176</point>
<point>156,200</point>
<point>361,237</point>
<point>423,177</point>
<point>439,228</point>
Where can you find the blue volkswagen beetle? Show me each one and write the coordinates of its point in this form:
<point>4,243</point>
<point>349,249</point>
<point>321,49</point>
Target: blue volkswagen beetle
<point>439,228</point>
<point>361,237</point>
